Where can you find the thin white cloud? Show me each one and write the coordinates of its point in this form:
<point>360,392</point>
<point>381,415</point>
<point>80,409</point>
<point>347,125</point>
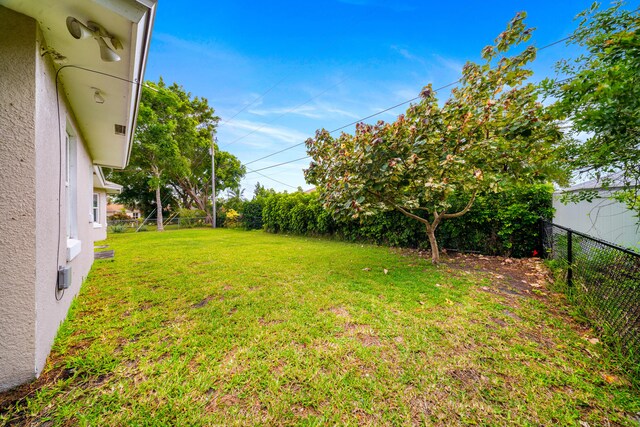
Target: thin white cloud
<point>239,128</point>
<point>406,93</point>
<point>209,49</point>
<point>305,111</point>
<point>450,64</point>
<point>405,53</point>
<point>318,111</point>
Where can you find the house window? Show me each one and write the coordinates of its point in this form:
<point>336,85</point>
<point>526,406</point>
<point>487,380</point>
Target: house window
<point>95,209</point>
<point>135,215</point>
<point>74,246</point>
<point>71,186</point>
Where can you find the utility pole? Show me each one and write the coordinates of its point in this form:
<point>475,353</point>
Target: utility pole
<point>213,178</point>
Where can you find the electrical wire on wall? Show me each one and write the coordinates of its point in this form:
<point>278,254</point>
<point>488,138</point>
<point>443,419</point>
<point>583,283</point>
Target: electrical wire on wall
<point>59,293</point>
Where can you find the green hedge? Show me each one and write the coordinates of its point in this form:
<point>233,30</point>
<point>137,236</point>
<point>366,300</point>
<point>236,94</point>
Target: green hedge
<point>498,224</point>
<point>503,223</point>
<point>298,213</point>
<point>252,213</point>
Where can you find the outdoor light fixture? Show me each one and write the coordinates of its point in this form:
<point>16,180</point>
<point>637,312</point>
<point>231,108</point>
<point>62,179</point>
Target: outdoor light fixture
<point>80,31</point>
<point>97,96</point>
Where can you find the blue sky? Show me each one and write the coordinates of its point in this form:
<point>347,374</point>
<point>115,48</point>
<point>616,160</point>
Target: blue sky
<point>297,66</point>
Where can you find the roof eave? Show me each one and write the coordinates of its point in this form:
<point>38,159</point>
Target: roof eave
<point>149,21</point>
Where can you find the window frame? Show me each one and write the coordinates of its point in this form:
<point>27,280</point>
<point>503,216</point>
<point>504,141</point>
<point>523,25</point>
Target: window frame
<point>95,208</point>
<point>71,185</point>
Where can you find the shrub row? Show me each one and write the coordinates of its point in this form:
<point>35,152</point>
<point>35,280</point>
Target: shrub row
<point>503,223</point>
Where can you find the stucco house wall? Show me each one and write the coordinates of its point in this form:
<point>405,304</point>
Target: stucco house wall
<point>17,197</point>
<point>53,144</point>
<point>50,173</point>
<point>31,186</point>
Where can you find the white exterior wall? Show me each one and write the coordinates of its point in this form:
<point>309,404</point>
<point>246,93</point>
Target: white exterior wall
<point>100,228</point>
<point>603,218</point>
<point>32,175</point>
<point>17,198</point>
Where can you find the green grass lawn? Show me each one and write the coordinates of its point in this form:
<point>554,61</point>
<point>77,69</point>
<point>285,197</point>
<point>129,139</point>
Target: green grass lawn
<point>228,327</point>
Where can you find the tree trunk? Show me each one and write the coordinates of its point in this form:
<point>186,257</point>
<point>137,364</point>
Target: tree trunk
<point>159,219</point>
<point>435,252</point>
<point>202,205</point>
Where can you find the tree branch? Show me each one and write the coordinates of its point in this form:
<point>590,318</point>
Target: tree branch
<point>463,211</point>
<point>401,209</point>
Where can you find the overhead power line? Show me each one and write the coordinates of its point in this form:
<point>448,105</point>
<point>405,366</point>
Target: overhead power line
<point>285,113</point>
<point>273,179</point>
<point>279,164</point>
<point>373,115</point>
<point>352,123</point>
<point>338,129</point>
<point>253,102</point>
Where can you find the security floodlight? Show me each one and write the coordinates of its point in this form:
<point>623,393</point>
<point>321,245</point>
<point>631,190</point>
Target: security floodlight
<point>81,31</point>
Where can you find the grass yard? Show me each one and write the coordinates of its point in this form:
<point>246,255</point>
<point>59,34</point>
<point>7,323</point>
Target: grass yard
<point>227,327</point>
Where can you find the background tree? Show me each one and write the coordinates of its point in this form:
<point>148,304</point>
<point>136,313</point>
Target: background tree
<point>599,94</point>
<point>155,151</point>
<point>195,127</point>
<point>234,200</point>
<point>136,193</point>
<point>490,132</point>
<point>171,152</point>
<point>261,191</point>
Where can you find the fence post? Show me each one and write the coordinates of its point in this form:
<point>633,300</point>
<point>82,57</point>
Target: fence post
<point>541,238</point>
<point>570,258</point>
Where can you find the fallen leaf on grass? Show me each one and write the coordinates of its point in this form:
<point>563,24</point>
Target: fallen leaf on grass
<point>448,301</point>
<point>366,269</point>
<point>593,340</point>
<point>611,379</point>
<point>385,271</point>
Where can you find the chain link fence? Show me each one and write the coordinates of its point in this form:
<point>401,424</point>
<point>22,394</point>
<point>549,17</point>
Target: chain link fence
<point>603,280</point>
<point>137,225</point>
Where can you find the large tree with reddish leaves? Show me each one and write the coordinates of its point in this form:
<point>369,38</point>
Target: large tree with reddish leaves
<point>491,132</point>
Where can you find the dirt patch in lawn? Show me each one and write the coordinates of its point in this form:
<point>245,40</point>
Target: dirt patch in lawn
<point>513,279</point>
<point>269,322</point>
<point>13,396</point>
<point>511,276</point>
<point>203,302</point>
<point>468,377</point>
<point>340,312</point>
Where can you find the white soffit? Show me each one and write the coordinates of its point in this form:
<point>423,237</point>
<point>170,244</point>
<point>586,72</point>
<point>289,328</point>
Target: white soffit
<point>100,183</point>
<point>131,22</point>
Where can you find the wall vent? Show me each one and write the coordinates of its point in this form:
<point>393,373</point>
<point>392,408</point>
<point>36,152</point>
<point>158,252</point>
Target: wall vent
<point>121,129</point>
